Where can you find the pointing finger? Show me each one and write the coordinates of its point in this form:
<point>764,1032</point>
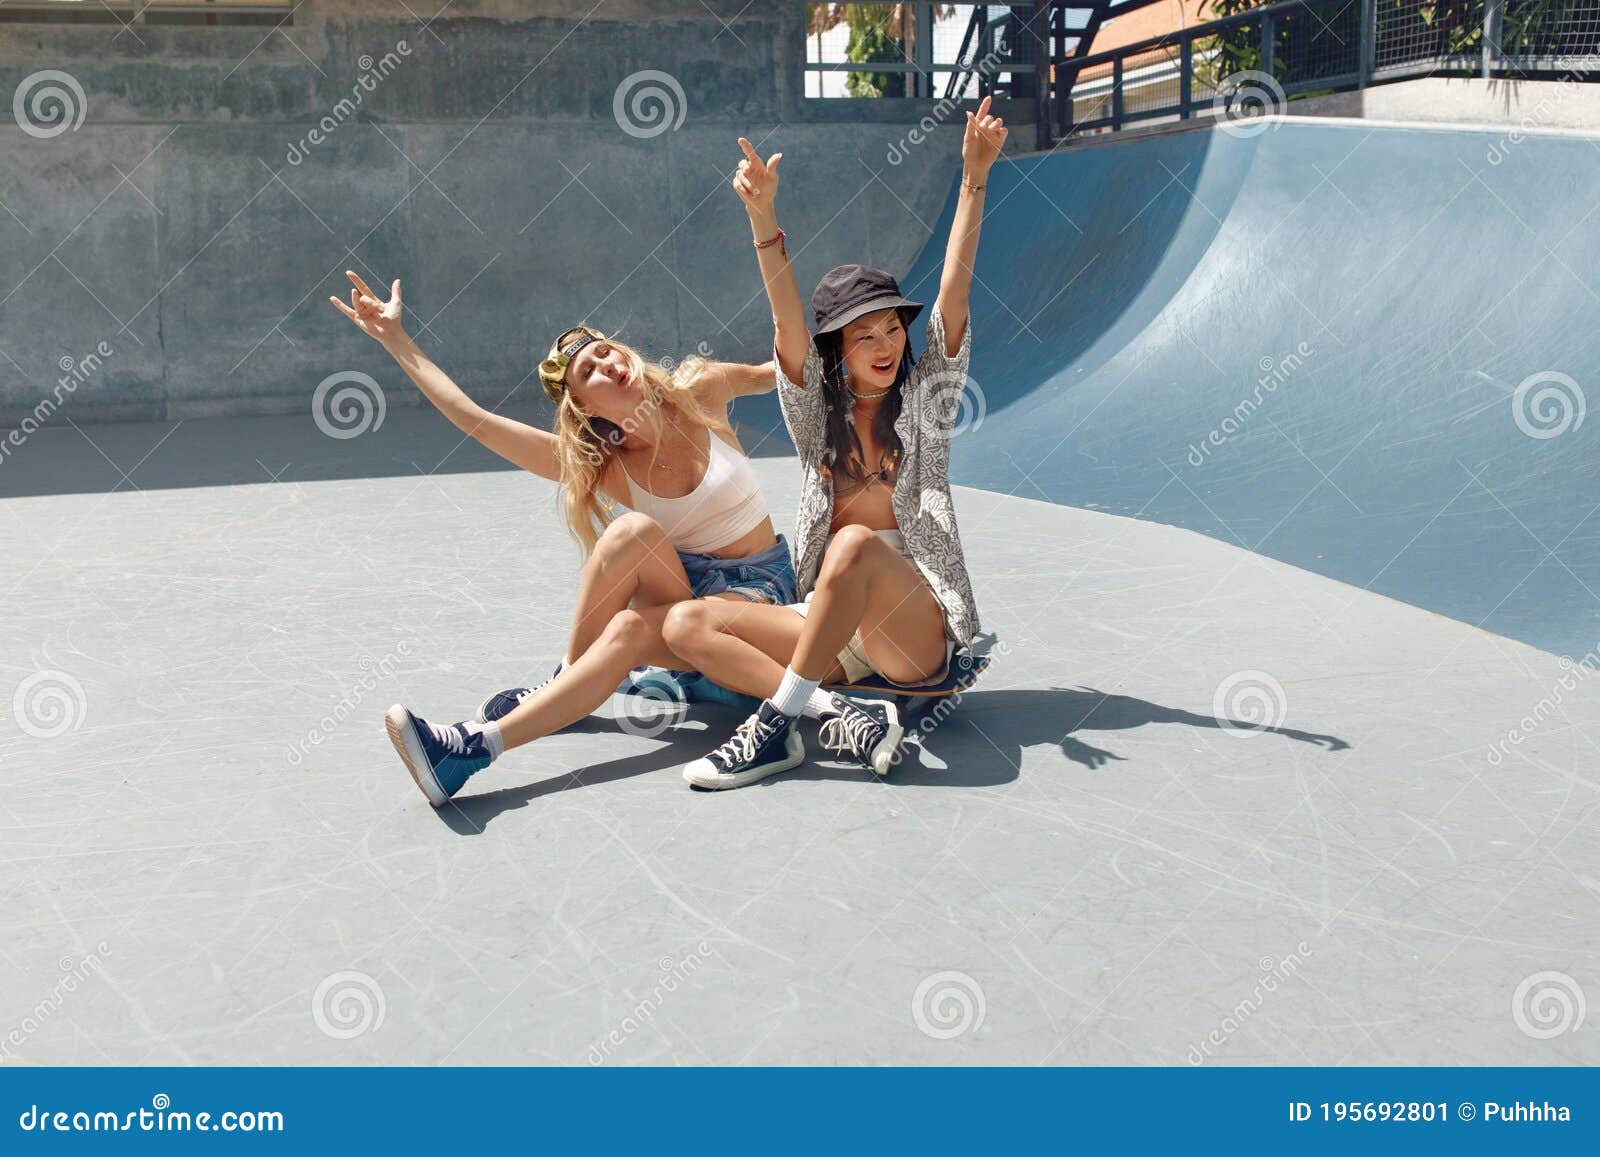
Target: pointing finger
<point>361,285</point>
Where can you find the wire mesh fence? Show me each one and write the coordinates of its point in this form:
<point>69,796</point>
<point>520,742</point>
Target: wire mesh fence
<point>1433,33</point>
<point>1279,51</point>
<point>1287,49</point>
<point>881,49</point>
<point>1559,29</point>
<point>1509,35</point>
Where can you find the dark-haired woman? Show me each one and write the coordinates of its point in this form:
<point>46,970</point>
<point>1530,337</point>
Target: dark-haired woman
<point>879,559</point>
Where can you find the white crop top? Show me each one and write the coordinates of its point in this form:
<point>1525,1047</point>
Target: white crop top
<point>725,507</point>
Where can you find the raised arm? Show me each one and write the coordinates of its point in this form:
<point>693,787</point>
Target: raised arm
<point>730,380</point>
<point>979,149</point>
<point>522,445</point>
<point>756,182</point>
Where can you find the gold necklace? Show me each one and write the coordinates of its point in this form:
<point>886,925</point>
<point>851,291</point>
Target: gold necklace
<point>869,397</point>
<point>656,463</point>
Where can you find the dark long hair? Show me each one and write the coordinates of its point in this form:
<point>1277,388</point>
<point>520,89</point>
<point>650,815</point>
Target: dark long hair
<point>843,454</point>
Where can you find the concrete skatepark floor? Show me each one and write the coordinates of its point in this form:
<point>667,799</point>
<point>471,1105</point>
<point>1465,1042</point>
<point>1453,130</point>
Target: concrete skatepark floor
<point>1086,863</point>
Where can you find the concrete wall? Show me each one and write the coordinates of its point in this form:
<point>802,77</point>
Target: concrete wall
<point>193,227</point>
<point>1522,104</point>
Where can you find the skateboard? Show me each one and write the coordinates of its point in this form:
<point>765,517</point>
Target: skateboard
<point>960,673</point>
<point>912,701</point>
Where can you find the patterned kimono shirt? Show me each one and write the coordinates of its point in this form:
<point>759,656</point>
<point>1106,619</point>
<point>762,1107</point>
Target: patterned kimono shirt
<point>921,501</point>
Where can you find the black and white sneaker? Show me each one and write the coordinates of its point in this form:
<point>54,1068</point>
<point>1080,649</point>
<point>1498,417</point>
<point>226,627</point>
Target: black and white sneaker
<point>764,744</point>
<point>866,730</point>
<point>503,703</point>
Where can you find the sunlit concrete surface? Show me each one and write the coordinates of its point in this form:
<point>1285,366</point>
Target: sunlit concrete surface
<point>1081,865</point>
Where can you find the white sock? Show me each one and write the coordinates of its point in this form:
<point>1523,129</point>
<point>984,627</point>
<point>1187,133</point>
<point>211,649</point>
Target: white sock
<point>818,704</point>
<point>793,693</point>
<point>492,739</point>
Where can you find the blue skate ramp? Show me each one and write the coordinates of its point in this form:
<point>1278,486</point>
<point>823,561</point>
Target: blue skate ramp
<point>1362,350</point>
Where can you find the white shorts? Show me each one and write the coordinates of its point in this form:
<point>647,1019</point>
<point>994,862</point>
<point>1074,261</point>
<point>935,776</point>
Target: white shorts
<point>854,659</point>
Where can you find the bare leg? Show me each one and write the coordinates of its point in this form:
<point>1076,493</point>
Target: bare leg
<point>743,647</point>
<point>864,585</point>
<point>633,564</point>
<point>631,638</point>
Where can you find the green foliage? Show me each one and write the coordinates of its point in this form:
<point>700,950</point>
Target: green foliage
<point>871,40</point>
<point>1323,42</point>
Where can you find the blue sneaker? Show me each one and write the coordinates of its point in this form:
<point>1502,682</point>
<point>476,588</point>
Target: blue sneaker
<point>866,730</point>
<point>440,759</point>
<point>765,744</point>
<point>503,703</point>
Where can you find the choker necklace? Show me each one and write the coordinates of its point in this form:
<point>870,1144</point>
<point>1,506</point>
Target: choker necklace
<point>868,397</point>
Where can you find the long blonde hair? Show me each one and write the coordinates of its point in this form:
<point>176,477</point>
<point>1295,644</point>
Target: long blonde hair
<point>587,445</point>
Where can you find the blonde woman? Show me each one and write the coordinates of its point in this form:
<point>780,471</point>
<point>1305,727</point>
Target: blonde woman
<point>628,433</point>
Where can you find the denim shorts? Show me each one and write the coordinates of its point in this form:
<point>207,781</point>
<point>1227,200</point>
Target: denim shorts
<point>766,577</point>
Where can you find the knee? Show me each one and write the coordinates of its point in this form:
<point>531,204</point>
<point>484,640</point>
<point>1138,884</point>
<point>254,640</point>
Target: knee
<point>687,624</point>
<point>627,535</point>
<point>628,631</point>
<point>850,549</point>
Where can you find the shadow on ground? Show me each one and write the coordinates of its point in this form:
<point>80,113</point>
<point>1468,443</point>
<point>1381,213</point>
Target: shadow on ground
<point>981,745</point>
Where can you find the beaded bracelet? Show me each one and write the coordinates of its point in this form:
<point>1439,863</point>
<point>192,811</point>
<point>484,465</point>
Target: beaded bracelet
<point>778,240</point>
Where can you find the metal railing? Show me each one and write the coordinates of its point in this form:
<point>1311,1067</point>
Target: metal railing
<point>993,32</point>
<point>1265,56</point>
